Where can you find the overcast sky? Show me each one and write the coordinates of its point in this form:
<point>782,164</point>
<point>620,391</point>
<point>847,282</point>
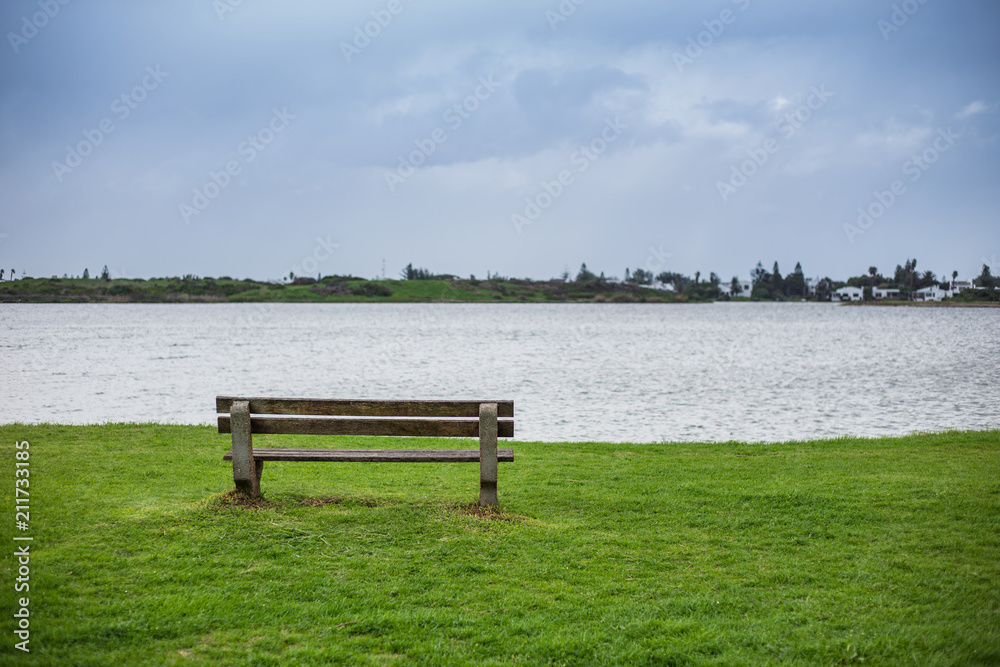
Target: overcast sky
<point>256,138</point>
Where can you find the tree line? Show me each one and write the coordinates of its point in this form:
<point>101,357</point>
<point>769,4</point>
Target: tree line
<point>764,284</point>
<point>908,280</point>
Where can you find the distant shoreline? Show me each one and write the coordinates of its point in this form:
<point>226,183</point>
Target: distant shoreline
<point>333,289</point>
<point>349,289</point>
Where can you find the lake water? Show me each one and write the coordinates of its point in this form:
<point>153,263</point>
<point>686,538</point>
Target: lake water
<point>606,372</point>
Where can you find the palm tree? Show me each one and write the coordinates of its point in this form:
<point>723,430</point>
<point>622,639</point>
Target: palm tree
<point>872,270</point>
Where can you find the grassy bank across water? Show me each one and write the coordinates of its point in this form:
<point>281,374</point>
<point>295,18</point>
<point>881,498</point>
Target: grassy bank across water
<point>885,551</point>
<point>332,289</point>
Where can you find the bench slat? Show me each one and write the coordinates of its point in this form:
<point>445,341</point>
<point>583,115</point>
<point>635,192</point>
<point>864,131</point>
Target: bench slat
<point>440,428</point>
<point>375,455</point>
<point>362,408</point>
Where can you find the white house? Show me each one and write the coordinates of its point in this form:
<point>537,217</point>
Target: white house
<point>850,293</point>
<point>932,293</point>
<point>960,285</point>
<point>746,287</point>
<point>885,293</point>
<point>666,287</point>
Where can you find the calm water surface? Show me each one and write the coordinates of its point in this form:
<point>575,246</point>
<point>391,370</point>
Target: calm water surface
<point>606,372</point>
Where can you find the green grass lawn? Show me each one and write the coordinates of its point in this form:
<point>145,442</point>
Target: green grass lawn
<point>849,551</point>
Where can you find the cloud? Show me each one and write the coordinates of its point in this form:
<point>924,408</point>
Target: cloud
<point>553,91</point>
<point>972,109</point>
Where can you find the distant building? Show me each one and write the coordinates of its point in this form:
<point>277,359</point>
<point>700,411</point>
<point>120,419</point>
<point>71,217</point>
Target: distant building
<point>746,287</point>
<point>938,293</point>
<point>885,293</point>
<point>850,294</point>
<point>932,293</point>
<point>811,285</point>
<point>666,287</point>
<point>960,285</point>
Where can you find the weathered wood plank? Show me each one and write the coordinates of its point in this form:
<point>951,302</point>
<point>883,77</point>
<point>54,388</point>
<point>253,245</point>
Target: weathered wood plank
<point>488,455</point>
<point>437,428</point>
<point>375,455</point>
<point>245,474</point>
<point>362,408</point>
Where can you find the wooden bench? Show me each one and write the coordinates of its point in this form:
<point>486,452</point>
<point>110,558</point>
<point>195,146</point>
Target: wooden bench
<point>486,420</point>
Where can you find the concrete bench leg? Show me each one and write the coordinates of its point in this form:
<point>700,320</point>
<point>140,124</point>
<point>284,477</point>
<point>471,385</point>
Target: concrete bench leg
<point>487,455</point>
<point>246,472</point>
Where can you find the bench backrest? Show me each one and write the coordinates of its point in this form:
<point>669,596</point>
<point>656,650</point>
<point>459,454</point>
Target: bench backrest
<point>317,416</point>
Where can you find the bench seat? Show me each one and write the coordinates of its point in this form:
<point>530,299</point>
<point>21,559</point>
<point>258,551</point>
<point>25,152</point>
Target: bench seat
<point>375,455</point>
<point>486,420</point>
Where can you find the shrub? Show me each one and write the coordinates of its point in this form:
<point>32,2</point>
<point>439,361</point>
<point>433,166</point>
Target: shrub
<point>371,289</point>
<point>977,295</point>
